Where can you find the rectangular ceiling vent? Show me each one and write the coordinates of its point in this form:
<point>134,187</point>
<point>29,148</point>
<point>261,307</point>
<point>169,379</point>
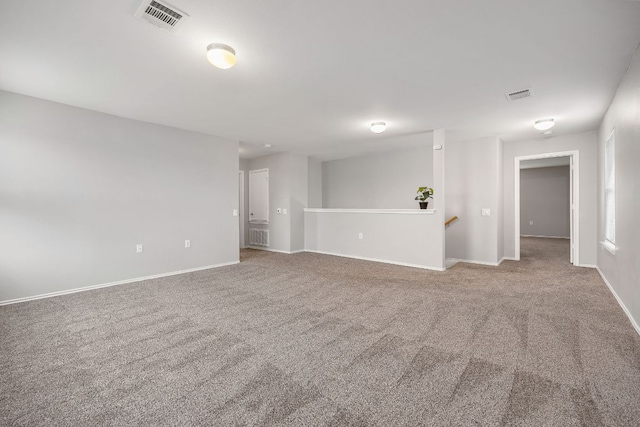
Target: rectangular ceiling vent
<point>519,94</point>
<point>160,14</point>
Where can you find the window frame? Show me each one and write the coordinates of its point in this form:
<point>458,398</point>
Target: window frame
<point>609,193</point>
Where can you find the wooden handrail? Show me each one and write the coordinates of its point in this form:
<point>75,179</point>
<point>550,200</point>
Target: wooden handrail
<point>450,220</point>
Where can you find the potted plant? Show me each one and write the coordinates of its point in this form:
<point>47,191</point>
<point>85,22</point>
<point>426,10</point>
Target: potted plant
<point>424,194</point>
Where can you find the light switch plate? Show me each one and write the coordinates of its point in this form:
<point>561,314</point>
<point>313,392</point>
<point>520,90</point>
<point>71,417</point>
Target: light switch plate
<point>284,211</point>
<point>486,212</point>
<point>235,212</point>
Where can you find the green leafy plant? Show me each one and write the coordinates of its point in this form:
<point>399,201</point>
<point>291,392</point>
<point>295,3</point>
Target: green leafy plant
<point>424,194</point>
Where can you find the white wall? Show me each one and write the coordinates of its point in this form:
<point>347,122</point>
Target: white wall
<point>406,238</point>
<point>279,197</point>
<point>299,175</point>
<point>244,166</point>
<point>315,183</point>
<point>586,144</point>
<point>622,270</point>
<point>80,189</point>
<point>472,184</point>
<point>288,189</point>
<point>380,181</point>
<point>545,199</point>
<point>500,213</point>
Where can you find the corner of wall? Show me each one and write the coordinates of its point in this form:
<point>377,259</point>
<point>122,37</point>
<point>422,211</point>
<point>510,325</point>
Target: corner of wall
<point>620,270</point>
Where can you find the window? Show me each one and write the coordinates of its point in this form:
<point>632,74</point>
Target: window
<point>610,192</point>
<point>259,196</point>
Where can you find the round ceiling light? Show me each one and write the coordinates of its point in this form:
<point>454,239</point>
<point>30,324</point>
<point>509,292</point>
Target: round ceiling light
<point>378,127</point>
<point>544,124</point>
<point>221,56</point>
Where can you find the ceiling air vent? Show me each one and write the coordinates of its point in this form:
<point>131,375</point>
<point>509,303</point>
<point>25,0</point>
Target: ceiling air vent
<point>524,93</point>
<point>160,14</point>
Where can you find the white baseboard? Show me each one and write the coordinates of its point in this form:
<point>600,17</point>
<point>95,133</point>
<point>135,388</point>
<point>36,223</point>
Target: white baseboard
<point>105,285</point>
<point>585,265</point>
<point>404,264</point>
<point>546,237</point>
<point>262,248</point>
<point>470,261</point>
<point>624,308</point>
<point>450,262</point>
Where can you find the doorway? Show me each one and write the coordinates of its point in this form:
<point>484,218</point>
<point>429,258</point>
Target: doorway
<point>241,208</point>
<point>572,160</point>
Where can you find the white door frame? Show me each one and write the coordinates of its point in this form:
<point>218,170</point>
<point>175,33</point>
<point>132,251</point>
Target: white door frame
<point>241,207</point>
<point>574,211</point>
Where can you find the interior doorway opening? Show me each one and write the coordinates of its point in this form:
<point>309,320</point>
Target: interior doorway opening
<point>547,218</point>
<point>241,201</point>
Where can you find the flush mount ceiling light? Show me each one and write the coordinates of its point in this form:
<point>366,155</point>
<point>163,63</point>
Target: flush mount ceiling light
<point>378,127</point>
<point>221,56</point>
<point>544,124</point>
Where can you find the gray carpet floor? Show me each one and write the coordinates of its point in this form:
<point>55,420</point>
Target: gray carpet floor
<point>310,339</point>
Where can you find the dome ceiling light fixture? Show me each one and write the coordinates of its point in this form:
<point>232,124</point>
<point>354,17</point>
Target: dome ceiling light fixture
<point>221,55</point>
<point>378,127</point>
<point>544,124</point>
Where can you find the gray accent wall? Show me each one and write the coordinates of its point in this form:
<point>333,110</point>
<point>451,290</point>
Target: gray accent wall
<point>380,181</point>
<point>545,201</point>
<point>80,189</point>
<point>586,144</point>
<point>622,269</point>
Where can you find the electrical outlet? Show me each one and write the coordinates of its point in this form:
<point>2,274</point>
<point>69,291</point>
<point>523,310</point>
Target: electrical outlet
<point>235,212</point>
<point>187,243</point>
<point>360,236</point>
<point>486,212</point>
<point>530,222</point>
<point>284,211</point>
<point>138,249</point>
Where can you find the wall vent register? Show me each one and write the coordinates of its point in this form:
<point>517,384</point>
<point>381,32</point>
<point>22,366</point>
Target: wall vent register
<point>258,237</point>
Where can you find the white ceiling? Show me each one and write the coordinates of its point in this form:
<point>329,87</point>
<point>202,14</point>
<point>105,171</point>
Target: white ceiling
<point>311,75</point>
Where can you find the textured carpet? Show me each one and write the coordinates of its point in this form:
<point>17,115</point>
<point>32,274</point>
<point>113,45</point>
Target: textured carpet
<point>310,339</point>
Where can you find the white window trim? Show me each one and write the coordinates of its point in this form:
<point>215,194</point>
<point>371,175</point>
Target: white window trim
<point>608,244</point>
